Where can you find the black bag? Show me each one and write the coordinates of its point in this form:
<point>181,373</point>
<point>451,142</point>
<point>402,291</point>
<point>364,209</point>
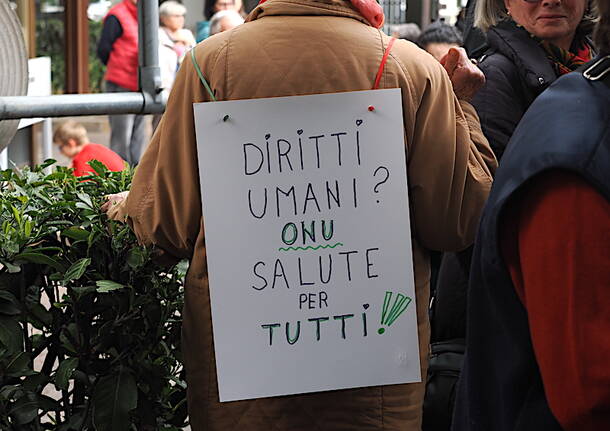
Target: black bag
<point>446,360</point>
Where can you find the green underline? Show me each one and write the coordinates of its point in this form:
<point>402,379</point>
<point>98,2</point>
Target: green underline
<point>310,247</point>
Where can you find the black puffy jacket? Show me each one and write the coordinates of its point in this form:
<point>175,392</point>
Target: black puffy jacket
<point>517,70</point>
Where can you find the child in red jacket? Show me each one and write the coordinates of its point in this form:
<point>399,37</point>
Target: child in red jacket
<point>73,142</point>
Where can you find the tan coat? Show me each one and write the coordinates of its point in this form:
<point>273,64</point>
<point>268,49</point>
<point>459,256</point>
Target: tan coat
<point>297,47</point>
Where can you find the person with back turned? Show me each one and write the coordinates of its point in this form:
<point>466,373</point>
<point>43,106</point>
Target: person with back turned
<point>339,45</point>
<point>538,302</point>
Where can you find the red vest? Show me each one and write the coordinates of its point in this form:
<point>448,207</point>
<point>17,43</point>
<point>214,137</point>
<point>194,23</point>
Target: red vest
<point>122,68</point>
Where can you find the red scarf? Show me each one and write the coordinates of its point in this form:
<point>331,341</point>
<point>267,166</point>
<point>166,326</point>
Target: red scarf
<point>369,9</point>
<point>565,61</point>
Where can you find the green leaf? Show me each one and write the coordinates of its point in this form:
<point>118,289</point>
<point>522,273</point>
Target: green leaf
<point>64,372</point>
<point>41,259</point>
<point>16,214</point>
<point>19,365</point>
<point>43,198</point>
<point>28,228</point>
<point>77,270</point>
<point>9,304</point>
<point>38,340</point>
<point>83,206</point>
<point>84,197</point>
<point>10,391</point>
<point>135,258</point>
<point>56,276</point>
<point>25,410</point>
<point>114,397</point>
<point>12,269</point>
<point>11,246</point>
<point>40,316</point>
<point>11,335</point>
<point>104,286</point>
<point>45,164</point>
<point>43,250</point>
<point>98,167</point>
<point>70,338</point>
<point>81,291</point>
<point>47,404</point>
<point>35,382</point>
<point>76,233</point>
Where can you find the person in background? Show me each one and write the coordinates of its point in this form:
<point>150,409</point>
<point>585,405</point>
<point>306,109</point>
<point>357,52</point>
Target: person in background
<point>214,6</point>
<point>460,21</point>
<point>409,31</point>
<point>475,42</point>
<point>538,305</point>
<point>118,50</point>
<point>449,173</point>
<point>73,142</point>
<point>224,20</point>
<point>438,38</point>
<point>174,42</point>
<point>532,43</point>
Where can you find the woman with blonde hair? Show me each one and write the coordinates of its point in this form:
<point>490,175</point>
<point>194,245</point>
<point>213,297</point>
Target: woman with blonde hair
<point>532,43</point>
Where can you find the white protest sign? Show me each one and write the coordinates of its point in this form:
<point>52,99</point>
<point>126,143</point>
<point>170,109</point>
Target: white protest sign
<point>308,243</point>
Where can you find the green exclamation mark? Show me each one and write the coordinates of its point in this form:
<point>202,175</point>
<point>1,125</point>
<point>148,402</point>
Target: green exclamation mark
<point>390,313</point>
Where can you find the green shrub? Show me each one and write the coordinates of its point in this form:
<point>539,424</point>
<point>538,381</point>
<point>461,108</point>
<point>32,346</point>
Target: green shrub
<point>98,314</point>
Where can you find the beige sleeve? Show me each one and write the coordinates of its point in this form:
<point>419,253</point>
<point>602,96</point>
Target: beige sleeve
<point>164,203</point>
<point>450,167</point>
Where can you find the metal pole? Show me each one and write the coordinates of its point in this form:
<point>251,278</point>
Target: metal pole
<point>4,159</point>
<point>149,71</point>
<point>148,101</point>
<point>47,139</point>
<point>68,105</point>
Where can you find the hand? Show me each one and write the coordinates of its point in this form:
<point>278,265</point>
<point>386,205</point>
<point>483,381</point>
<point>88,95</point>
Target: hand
<point>113,205</point>
<point>465,76</point>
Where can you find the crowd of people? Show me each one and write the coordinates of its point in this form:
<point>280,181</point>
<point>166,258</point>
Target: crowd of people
<point>118,51</point>
<point>527,302</point>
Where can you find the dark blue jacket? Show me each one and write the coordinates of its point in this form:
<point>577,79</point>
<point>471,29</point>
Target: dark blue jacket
<point>500,389</point>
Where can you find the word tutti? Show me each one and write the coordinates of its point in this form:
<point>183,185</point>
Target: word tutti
<point>318,326</point>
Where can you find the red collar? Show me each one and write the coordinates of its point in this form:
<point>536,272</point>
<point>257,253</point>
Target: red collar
<point>369,9</point>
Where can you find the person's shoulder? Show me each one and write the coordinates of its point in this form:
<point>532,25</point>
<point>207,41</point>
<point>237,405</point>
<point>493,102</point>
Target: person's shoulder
<point>415,60</point>
<point>493,61</point>
<point>114,9</point>
<point>96,149</point>
<point>210,48</point>
<point>578,93</point>
<point>92,146</point>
